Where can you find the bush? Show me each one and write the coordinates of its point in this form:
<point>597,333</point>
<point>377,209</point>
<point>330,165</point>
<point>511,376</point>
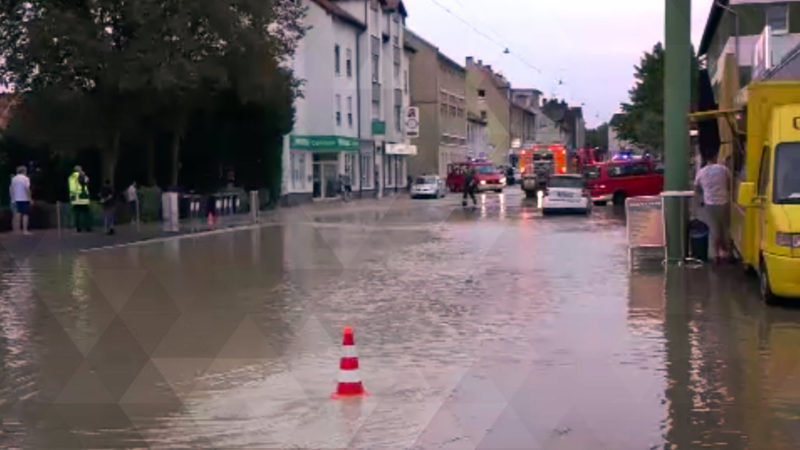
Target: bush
<point>149,203</point>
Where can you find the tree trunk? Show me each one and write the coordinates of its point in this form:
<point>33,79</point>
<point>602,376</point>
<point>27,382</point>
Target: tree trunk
<point>151,161</point>
<point>109,159</point>
<point>176,155</point>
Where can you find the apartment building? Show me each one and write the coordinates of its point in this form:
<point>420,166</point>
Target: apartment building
<point>438,89</point>
<point>489,97</point>
<point>325,140</point>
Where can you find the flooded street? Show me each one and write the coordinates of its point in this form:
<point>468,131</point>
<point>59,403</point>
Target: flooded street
<point>491,327</point>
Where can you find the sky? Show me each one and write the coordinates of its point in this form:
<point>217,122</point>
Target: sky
<point>583,51</point>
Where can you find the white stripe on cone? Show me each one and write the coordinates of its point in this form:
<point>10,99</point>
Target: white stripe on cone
<point>349,376</point>
<point>349,351</point>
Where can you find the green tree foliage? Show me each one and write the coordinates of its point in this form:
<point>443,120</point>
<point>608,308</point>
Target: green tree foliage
<point>642,118</point>
<point>597,137</point>
<point>95,72</point>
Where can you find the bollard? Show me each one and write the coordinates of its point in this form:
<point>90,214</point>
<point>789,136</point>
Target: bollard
<point>138,214</point>
<point>58,217</point>
<point>254,206</point>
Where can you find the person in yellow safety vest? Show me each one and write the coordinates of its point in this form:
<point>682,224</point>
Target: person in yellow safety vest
<point>78,184</point>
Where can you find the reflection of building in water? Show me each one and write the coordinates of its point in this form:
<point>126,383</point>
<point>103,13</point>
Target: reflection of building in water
<point>646,297</point>
<point>732,364</point>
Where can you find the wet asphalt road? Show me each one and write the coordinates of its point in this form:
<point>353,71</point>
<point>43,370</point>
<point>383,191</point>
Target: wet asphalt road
<point>491,327</point>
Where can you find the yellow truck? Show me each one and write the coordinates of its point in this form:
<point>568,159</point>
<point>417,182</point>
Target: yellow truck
<point>765,211</point>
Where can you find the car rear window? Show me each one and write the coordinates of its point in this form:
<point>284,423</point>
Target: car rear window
<point>591,173</point>
<point>425,180</point>
<point>566,182</point>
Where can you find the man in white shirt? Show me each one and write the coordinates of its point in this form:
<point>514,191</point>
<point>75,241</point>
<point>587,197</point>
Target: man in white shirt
<point>713,181</point>
<point>20,191</point>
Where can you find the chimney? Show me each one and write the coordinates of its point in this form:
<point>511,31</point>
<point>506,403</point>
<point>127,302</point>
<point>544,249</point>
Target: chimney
<point>489,67</point>
<point>470,60</point>
<point>480,62</point>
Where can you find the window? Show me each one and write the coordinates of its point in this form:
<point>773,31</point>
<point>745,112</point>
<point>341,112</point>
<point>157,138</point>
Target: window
<point>396,18</point>
<point>460,112</point>
<point>481,93</point>
<point>763,172</point>
<point>336,63</point>
<point>453,110</point>
<point>338,110</point>
<point>444,97</point>
<point>350,111</point>
<point>640,169</point>
<point>778,18</point>
<point>298,162</point>
<point>390,170</point>
<point>376,68</point>
<point>619,171</point>
<point>398,110</point>
<point>405,81</point>
<point>397,62</point>
<point>443,109</point>
<point>349,63</point>
<point>483,115</point>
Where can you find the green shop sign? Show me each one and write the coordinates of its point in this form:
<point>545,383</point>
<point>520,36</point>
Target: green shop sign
<point>324,143</point>
<point>378,127</point>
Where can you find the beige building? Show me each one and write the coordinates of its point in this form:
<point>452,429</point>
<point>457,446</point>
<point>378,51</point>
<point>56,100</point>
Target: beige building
<point>488,97</point>
<point>438,90</point>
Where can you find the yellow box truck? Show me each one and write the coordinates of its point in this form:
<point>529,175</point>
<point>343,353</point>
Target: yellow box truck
<point>765,213</point>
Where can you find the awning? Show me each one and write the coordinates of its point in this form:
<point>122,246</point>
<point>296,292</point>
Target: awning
<point>401,149</point>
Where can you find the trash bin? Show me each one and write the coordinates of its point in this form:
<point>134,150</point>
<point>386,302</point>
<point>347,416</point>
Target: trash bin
<point>698,240</point>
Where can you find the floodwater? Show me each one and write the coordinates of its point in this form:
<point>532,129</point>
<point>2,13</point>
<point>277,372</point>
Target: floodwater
<point>491,327</point>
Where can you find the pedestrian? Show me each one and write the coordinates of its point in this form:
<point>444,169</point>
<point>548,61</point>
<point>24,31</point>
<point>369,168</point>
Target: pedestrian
<point>712,181</point>
<point>132,198</point>
<point>78,184</point>
<point>107,200</point>
<point>377,184</point>
<point>470,184</point>
<point>20,192</point>
<point>347,187</point>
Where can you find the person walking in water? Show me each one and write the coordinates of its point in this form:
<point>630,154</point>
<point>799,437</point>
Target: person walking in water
<point>107,200</point>
<point>469,187</point>
<point>712,181</point>
<point>20,191</point>
<point>78,184</point>
<point>132,198</point>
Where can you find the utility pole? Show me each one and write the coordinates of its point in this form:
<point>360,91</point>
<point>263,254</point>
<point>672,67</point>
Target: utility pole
<point>677,96</point>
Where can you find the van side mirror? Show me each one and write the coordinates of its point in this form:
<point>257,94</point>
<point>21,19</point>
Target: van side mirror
<point>747,194</point>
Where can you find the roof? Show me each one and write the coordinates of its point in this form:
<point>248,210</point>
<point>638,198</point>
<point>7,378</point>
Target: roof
<point>393,5</point>
<point>339,12</point>
<point>408,34</point>
<point>711,25</point>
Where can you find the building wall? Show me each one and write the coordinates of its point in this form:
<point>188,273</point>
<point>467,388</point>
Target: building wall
<point>315,112</point>
<point>494,106</point>
<point>425,96</point>
<point>751,22</point>
<point>476,138</point>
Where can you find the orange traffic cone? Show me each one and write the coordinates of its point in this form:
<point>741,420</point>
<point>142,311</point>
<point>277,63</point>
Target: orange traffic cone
<point>210,219</point>
<point>349,383</point>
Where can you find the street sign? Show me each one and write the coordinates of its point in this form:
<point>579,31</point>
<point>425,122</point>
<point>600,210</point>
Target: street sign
<point>412,122</point>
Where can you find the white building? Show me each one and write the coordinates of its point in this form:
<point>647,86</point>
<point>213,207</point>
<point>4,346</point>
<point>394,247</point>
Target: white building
<point>384,87</point>
<point>324,142</point>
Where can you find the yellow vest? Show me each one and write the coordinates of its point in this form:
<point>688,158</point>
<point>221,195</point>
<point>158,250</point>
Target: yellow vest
<point>78,194</point>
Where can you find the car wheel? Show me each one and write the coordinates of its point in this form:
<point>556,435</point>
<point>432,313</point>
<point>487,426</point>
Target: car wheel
<point>499,191</point>
<point>600,203</point>
<point>766,290</point>
<point>619,198</point>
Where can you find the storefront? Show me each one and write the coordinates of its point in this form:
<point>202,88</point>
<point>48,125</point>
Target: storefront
<point>328,158</point>
<point>395,165</point>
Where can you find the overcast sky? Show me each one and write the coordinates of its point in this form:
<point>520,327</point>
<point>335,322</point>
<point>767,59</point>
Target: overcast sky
<point>590,45</point>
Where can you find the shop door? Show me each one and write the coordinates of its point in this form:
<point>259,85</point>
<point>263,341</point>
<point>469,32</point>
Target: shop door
<point>330,178</point>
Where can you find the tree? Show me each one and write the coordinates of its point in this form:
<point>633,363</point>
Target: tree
<point>598,137</point>
<point>132,66</point>
<point>642,118</point>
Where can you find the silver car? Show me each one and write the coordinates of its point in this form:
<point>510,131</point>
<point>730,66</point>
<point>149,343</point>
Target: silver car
<point>429,186</point>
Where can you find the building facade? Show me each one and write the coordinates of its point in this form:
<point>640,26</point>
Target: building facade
<point>324,142</point>
<point>350,119</point>
<point>384,84</point>
<point>488,97</point>
<point>768,32</point>
<point>524,116</point>
<point>477,137</point>
<point>438,90</point>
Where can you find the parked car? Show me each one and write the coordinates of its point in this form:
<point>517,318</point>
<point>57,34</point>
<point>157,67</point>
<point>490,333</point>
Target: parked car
<point>566,194</point>
<point>615,181</point>
<point>431,186</point>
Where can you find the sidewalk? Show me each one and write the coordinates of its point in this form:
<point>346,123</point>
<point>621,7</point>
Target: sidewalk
<point>42,242</point>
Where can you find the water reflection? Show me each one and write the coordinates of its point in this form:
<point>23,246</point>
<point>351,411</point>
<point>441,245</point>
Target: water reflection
<point>732,364</point>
